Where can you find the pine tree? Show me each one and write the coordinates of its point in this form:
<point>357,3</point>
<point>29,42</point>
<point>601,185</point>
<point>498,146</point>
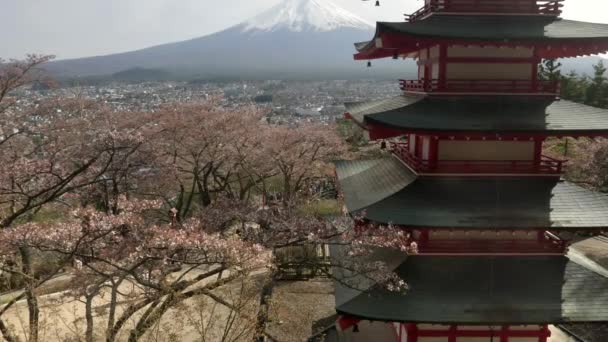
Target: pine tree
<point>549,70</point>
<point>573,87</point>
<point>598,89</point>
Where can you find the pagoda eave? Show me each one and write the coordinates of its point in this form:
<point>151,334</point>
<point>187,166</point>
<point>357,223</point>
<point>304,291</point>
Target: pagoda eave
<point>550,37</point>
<point>382,131</point>
<point>398,46</point>
<point>526,290</point>
<point>374,222</point>
<point>386,191</point>
<point>466,118</point>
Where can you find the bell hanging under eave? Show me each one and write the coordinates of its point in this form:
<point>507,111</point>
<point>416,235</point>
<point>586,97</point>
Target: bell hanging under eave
<point>383,145</point>
<point>369,64</point>
<point>377,2</point>
<point>356,328</point>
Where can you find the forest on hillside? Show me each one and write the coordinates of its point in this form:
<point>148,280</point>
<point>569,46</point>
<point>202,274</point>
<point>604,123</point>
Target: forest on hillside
<point>587,158</point>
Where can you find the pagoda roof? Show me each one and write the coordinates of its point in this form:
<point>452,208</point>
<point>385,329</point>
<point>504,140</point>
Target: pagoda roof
<point>489,28</point>
<point>467,202</point>
<point>490,290</point>
<point>384,178</point>
<point>516,114</point>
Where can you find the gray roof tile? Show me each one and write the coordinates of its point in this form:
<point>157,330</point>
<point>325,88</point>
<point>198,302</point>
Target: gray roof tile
<point>388,192</point>
<point>365,182</point>
<point>520,28</point>
<point>485,114</point>
<point>515,290</point>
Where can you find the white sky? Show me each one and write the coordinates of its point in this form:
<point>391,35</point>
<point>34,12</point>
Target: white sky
<point>78,28</point>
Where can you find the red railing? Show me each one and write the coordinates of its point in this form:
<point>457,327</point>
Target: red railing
<point>538,7</point>
<point>481,86</point>
<point>491,247</point>
<point>546,165</point>
<point>545,243</point>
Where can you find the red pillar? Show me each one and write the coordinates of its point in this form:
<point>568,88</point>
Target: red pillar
<point>412,332</point>
<point>433,152</point>
<point>545,334</point>
<point>443,70</point>
<point>535,66</point>
<point>504,334</point>
<point>453,333</point>
<point>538,151</point>
<point>428,69</point>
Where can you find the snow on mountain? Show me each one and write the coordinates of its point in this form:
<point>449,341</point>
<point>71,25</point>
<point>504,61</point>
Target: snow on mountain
<point>305,15</point>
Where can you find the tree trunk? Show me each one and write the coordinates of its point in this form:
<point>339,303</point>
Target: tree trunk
<point>89,317</point>
<point>126,315</point>
<point>150,317</point>
<point>265,302</point>
<point>6,334</point>
<point>286,189</point>
<point>112,309</point>
<point>32,300</point>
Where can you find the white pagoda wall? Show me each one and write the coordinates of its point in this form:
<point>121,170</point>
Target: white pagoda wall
<point>479,71</point>
<point>485,150</point>
<point>433,54</point>
<point>489,51</point>
<point>517,71</point>
<point>488,71</point>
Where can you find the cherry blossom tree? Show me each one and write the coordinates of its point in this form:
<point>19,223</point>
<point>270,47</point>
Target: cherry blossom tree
<point>169,203</point>
<point>197,153</point>
<point>171,263</point>
<point>588,164</point>
<point>51,149</point>
<point>298,154</point>
<point>15,74</point>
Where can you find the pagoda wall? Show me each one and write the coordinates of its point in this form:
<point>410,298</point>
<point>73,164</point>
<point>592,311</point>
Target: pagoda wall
<point>429,58</point>
<point>477,62</point>
<point>490,51</point>
<point>488,71</point>
<point>486,150</point>
<point>472,150</point>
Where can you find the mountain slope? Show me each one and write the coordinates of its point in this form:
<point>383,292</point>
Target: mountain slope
<point>296,39</point>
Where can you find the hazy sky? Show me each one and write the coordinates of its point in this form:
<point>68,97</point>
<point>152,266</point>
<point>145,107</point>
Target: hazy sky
<point>78,28</point>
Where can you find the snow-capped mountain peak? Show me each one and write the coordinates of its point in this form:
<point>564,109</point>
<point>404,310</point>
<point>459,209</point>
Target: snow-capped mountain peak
<point>305,15</point>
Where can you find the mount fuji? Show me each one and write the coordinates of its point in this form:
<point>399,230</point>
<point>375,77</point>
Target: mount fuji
<point>297,39</point>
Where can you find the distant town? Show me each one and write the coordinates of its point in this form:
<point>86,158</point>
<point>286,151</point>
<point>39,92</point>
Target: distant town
<point>289,102</point>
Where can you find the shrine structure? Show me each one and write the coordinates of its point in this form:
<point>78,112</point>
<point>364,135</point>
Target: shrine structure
<point>468,179</point>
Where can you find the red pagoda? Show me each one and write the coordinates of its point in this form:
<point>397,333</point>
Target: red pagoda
<point>467,178</point>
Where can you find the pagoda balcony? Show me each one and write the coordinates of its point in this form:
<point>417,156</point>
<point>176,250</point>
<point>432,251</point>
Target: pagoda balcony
<point>509,7</point>
<point>481,86</point>
<point>545,166</point>
<point>496,247</point>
